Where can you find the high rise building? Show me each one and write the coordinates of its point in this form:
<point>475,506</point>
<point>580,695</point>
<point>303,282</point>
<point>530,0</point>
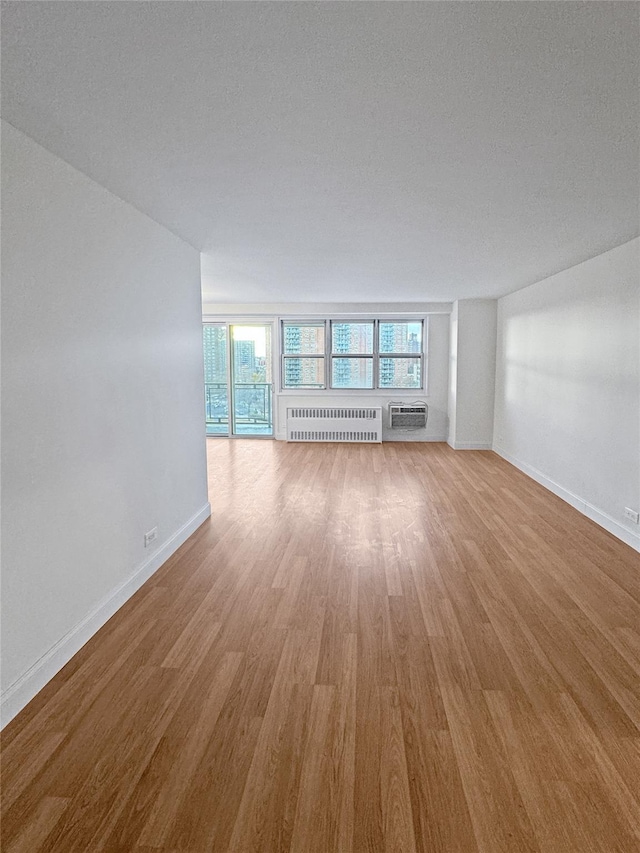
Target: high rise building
<point>292,366</point>
<point>401,339</point>
<point>354,339</point>
<point>392,339</point>
<point>215,354</point>
<point>305,340</point>
<point>244,361</point>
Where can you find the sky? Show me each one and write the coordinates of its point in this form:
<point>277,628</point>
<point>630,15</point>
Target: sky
<point>257,334</point>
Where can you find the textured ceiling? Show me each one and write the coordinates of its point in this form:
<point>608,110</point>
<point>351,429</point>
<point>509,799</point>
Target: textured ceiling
<point>346,151</point>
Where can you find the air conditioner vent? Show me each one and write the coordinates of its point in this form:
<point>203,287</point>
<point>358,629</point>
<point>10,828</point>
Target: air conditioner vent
<point>408,415</point>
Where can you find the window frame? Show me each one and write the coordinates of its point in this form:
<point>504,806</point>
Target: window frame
<point>291,355</point>
<point>362,321</point>
<point>420,355</point>
<point>328,321</point>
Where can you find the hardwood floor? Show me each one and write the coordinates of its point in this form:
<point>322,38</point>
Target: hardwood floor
<point>375,648</point>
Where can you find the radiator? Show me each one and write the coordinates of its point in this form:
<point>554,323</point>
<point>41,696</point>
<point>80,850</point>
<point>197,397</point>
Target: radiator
<point>334,424</point>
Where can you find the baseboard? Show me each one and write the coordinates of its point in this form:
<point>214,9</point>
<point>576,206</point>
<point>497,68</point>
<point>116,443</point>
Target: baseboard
<point>22,691</point>
<point>470,445</point>
<point>599,516</point>
<point>398,435</point>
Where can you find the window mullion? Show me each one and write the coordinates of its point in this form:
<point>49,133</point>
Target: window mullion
<point>330,359</point>
<point>376,353</point>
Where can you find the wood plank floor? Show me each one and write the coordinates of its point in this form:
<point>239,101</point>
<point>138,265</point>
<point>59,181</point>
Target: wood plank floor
<point>375,648</point>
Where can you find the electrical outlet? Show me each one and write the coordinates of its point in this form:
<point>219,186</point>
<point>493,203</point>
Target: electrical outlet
<point>631,514</point>
<point>150,537</point>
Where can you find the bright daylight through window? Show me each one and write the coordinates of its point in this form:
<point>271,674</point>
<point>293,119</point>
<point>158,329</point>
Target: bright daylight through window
<point>359,354</point>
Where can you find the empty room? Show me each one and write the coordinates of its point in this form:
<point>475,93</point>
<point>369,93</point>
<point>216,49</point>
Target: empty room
<point>320,427</point>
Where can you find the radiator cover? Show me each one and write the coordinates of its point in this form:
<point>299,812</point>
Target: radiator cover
<point>343,423</point>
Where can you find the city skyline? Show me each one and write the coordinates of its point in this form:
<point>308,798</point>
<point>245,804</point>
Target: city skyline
<point>305,354</point>
<point>351,356</point>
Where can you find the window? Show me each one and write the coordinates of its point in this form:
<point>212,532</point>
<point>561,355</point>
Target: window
<point>355,354</point>
<point>303,351</point>
<point>400,348</point>
<point>352,355</point>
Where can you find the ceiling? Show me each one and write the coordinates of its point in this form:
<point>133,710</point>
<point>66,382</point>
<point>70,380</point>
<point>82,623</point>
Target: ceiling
<point>346,151</point>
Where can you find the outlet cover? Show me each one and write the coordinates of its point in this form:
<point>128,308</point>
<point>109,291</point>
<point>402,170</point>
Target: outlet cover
<point>150,537</point>
<point>631,514</point>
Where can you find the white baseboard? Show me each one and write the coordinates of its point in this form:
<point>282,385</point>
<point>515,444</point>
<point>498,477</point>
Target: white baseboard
<point>470,445</point>
<point>629,537</point>
<point>22,691</point>
<point>399,435</point>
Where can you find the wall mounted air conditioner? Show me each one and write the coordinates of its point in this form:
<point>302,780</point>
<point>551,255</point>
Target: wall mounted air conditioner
<point>408,415</point>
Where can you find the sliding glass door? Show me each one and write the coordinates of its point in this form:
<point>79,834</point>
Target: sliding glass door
<point>238,379</point>
<point>251,380</point>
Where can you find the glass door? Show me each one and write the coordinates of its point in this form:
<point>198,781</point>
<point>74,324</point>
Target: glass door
<point>238,379</point>
<point>251,379</point>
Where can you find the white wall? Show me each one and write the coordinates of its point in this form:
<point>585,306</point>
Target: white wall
<point>436,395</point>
<point>103,420</point>
<point>472,373</point>
<point>568,385</point>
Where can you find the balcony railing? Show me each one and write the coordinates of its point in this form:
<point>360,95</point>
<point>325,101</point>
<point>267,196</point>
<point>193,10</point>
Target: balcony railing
<point>251,401</point>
